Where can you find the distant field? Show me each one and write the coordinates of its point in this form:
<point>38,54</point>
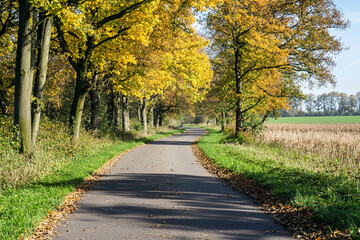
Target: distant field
<point>321,120</point>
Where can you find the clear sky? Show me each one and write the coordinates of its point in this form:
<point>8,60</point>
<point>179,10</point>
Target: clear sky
<point>347,70</point>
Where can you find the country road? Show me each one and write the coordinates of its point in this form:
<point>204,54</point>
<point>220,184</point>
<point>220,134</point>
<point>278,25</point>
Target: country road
<point>160,191</point>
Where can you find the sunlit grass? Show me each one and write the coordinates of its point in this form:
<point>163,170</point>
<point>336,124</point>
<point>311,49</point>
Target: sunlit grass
<point>32,188</point>
<point>288,174</point>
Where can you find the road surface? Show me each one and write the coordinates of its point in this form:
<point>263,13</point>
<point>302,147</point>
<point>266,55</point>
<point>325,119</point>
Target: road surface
<point>160,191</point>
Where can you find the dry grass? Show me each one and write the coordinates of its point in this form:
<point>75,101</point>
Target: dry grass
<point>332,148</point>
<point>53,151</point>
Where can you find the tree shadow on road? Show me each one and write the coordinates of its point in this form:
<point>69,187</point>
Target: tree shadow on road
<point>176,143</point>
<point>189,203</point>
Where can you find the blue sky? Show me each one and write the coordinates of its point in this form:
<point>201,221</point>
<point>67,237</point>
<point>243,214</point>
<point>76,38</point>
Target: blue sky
<point>347,70</point>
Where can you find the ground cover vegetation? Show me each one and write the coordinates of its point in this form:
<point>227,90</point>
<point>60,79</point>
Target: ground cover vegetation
<point>299,179</point>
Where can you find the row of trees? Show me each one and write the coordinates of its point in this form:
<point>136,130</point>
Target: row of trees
<point>326,104</point>
<point>263,51</point>
<point>139,51</point>
<point>147,54</point>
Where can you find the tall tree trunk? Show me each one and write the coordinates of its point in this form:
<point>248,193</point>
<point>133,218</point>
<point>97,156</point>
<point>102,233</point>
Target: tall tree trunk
<point>161,118</point>
<point>43,39</point>
<point>82,68</point>
<point>138,116</point>
<point>143,115</point>
<point>3,104</point>
<point>117,110</point>
<point>125,114</point>
<point>151,113</point>
<point>238,112</point>
<point>23,78</point>
<point>110,107</point>
<point>156,119</point>
<point>77,106</point>
<point>223,120</point>
<point>94,105</point>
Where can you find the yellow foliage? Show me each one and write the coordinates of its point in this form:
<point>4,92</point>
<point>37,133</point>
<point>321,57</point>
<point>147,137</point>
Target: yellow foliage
<point>171,59</point>
<point>249,38</point>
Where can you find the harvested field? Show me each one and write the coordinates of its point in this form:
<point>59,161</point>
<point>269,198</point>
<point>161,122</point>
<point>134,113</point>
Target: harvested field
<point>331,148</point>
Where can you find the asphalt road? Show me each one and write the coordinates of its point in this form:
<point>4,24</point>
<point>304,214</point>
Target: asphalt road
<point>159,191</point>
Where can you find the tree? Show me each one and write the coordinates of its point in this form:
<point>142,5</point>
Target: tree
<point>8,28</point>
<point>310,104</point>
<point>333,102</point>
<point>321,104</point>
<point>343,104</point>
<point>171,60</point>
<point>311,45</point>
<point>8,16</point>
<point>43,43</point>
<point>245,36</point>
<point>272,46</point>
<point>98,24</point>
<point>24,73</point>
<point>357,95</point>
<point>7,70</point>
<point>352,102</point>
<point>29,43</point>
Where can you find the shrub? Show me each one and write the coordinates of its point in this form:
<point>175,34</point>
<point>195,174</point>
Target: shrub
<point>244,137</point>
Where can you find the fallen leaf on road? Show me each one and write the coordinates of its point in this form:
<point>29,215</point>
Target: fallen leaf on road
<point>175,193</point>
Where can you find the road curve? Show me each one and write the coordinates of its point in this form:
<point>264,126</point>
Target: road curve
<point>160,191</point>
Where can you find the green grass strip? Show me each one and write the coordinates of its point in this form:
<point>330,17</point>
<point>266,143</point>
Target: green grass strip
<point>335,200</point>
<point>22,209</point>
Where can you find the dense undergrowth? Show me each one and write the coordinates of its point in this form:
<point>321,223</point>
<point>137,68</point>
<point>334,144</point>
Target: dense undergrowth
<point>334,198</point>
<point>32,187</point>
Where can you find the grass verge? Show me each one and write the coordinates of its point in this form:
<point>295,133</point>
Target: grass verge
<point>334,200</point>
<point>23,207</point>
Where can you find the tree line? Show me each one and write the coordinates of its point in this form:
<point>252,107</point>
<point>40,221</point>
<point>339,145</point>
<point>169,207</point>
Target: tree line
<point>98,62</point>
<point>66,57</point>
<point>326,104</point>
